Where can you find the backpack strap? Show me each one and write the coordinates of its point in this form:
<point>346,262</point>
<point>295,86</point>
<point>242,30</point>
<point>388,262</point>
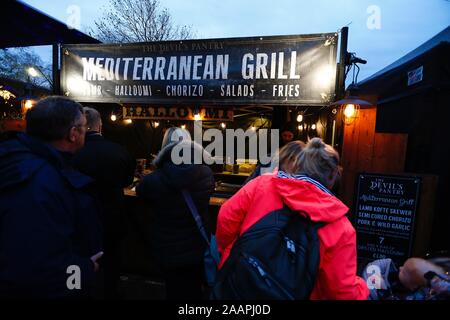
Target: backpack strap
<point>198,219</point>
<point>211,255</point>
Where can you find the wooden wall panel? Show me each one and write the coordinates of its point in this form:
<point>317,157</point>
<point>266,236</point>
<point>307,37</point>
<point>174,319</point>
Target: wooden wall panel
<point>349,157</point>
<point>366,135</point>
<point>364,150</point>
<point>389,152</point>
<point>357,151</point>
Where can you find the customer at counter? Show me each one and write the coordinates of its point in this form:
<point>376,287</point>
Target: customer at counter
<point>305,176</point>
<point>112,168</point>
<point>287,134</point>
<point>177,244</point>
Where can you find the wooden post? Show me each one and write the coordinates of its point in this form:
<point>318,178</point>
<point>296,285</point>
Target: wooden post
<point>338,134</point>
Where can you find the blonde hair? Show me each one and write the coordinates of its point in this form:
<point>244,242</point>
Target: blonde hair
<point>320,161</point>
<point>289,157</point>
<point>175,134</point>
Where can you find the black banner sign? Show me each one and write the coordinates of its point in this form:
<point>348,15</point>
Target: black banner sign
<point>384,216</point>
<point>297,70</point>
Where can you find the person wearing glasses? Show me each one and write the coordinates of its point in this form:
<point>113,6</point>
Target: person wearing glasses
<point>50,234</point>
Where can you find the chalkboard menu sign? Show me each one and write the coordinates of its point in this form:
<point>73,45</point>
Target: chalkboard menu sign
<point>384,216</point>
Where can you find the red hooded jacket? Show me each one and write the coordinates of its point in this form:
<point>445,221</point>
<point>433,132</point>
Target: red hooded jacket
<point>336,278</point>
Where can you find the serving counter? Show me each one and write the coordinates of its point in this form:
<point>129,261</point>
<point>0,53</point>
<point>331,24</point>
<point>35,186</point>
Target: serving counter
<point>136,244</point>
<point>213,201</point>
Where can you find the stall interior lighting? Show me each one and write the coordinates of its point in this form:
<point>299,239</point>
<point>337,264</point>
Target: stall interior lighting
<point>223,125</point>
<point>113,117</point>
<point>313,127</point>
<point>299,117</point>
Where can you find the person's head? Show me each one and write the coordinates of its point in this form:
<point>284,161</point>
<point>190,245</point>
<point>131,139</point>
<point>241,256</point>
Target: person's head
<point>287,135</point>
<point>289,157</point>
<point>93,118</point>
<point>411,274</point>
<point>175,134</point>
<point>321,162</point>
<point>58,121</point>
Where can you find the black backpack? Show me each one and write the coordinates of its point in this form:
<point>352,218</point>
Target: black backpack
<point>276,259</point>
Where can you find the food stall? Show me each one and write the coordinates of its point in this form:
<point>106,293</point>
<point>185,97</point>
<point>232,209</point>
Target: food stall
<point>233,89</point>
<point>224,83</point>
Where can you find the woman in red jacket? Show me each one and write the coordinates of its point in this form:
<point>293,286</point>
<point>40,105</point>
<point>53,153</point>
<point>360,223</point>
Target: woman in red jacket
<point>302,183</point>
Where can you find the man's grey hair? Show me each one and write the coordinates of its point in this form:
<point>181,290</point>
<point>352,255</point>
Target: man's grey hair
<point>93,117</point>
<point>53,117</point>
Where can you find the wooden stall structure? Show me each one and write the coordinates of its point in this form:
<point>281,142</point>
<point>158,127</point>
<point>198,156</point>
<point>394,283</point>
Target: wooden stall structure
<point>141,89</point>
<point>405,133</point>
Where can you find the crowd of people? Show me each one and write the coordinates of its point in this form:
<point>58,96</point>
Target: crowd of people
<point>62,206</point>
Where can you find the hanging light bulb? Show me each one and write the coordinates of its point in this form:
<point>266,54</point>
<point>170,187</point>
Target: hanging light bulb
<point>183,126</point>
<point>253,128</point>
<point>128,121</point>
<point>300,127</point>
<point>351,103</point>
<point>350,110</point>
<point>156,124</point>
<point>299,117</point>
<point>197,117</point>
<point>313,127</point>
<point>113,117</point>
<point>223,125</point>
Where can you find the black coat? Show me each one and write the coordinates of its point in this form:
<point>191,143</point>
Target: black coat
<point>48,221</point>
<point>176,240</point>
<point>112,168</point>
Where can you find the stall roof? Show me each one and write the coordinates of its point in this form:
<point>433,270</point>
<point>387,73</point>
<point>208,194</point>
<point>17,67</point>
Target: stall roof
<point>411,86</point>
<point>20,88</point>
<point>21,25</point>
<point>441,37</point>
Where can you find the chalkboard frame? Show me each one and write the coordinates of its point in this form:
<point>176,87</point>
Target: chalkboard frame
<point>363,260</point>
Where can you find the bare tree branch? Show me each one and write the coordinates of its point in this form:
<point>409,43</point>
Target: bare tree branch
<point>138,21</point>
<point>14,63</point>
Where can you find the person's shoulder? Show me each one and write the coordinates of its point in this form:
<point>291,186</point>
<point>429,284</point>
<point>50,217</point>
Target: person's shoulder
<point>264,179</point>
<point>151,181</point>
<point>203,169</point>
<point>48,178</point>
<point>104,142</point>
<point>108,148</point>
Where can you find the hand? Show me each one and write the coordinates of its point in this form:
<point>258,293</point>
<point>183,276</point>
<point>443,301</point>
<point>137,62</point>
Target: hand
<point>95,258</point>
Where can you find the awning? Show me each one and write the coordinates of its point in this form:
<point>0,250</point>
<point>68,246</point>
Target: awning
<point>22,26</point>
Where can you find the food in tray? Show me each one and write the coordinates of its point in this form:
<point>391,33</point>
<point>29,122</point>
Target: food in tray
<point>246,168</point>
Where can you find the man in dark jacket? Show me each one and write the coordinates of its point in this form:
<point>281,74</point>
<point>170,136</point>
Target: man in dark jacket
<point>112,168</point>
<point>50,235</point>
